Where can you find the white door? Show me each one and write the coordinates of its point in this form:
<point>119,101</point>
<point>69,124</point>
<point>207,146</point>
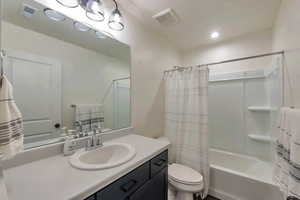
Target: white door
<point>37,91</point>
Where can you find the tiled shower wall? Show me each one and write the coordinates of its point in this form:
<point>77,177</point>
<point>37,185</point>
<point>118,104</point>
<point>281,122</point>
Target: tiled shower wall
<point>230,121</point>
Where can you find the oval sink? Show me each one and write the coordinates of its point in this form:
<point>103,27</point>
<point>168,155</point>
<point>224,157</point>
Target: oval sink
<point>108,156</point>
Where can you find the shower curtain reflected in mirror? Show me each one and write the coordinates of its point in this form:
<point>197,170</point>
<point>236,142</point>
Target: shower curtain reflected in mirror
<point>121,101</point>
<point>186,119</point>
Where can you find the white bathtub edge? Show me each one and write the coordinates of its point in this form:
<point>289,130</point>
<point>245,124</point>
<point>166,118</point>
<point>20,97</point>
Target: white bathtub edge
<point>221,195</point>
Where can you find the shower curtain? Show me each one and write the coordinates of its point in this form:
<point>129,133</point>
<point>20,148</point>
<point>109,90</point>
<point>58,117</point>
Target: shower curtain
<point>186,123</point>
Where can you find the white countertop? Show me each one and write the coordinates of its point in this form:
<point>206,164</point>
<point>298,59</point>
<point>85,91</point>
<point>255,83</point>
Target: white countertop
<point>53,178</point>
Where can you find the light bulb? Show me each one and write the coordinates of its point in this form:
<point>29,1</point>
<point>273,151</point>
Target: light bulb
<point>215,35</point>
<point>91,5</point>
<point>115,20</point>
<point>93,9</point>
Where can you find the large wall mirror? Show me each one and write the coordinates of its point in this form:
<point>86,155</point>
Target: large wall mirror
<point>65,75</point>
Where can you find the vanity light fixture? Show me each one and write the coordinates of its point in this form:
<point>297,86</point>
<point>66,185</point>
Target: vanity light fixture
<point>69,3</point>
<point>115,20</point>
<point>54,15</point>
<point>215,35</point>
<point>93,9</point>
<point>81,27</point>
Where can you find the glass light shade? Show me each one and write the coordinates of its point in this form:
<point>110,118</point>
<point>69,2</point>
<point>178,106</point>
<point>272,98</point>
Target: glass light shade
<point>115,21</point>
<point>69,3</point>
<point>54,15</point>
<point>98,17</point>
<point>93,9</point>
<point>91,5</point>
<point>81,27</point>
<point>100,35</point>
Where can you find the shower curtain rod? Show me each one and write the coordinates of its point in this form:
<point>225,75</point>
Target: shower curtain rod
<point>120,79</point>
<point>227,61</point>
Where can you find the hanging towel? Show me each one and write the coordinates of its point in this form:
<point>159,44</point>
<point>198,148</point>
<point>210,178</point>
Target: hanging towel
<point>3,190</point>
<point>294,178</point>
<point>83,117</point>
<point>11,124</point>
<point>287,168</point>
<point>97,116</point>
<point>90,116</point>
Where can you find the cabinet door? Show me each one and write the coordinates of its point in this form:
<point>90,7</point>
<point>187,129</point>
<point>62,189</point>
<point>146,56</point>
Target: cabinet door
<point>155,189</point>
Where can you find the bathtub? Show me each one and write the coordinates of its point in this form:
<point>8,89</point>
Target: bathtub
<point>239,177</point>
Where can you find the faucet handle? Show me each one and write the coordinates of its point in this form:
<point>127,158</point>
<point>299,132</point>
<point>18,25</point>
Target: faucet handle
<point>96,129</point>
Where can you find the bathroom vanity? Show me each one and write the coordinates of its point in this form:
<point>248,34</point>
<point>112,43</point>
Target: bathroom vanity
<point>53,177</point>
<point>147,182</point>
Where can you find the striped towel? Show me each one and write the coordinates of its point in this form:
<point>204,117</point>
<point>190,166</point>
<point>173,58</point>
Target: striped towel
<point>287,168</point>
<point>83,117</point>
<point>90,116</point>
<point>11,124</point>
<point>97,116</point>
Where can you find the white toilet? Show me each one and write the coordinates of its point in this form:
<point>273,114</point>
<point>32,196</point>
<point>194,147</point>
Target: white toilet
<point>184,180</point>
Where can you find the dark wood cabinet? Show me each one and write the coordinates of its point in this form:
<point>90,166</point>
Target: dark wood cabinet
<point>147,182</point>
<point>126,185</point>
<point>156,188</point>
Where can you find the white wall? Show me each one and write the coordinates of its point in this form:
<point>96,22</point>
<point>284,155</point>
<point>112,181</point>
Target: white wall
<point>246,45</point>
<point>151,55</point>
<point>82,68</point>
<point>287,37</point>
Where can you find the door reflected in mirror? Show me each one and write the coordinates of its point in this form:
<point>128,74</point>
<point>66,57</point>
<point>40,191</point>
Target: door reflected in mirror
<point>65,76</point>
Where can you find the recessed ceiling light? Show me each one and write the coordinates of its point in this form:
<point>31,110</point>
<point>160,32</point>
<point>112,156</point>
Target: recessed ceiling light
<point>215,35</point>
<point>69,3</point>
<point>81,27</point>
<point>54,15</point>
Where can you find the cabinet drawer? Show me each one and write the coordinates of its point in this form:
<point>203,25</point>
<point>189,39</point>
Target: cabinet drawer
<point>126,185</point>
<point>158,163</point>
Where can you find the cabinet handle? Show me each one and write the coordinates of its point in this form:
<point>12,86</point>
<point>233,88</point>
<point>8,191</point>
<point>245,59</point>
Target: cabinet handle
<point>160,162</point>
<point>129,185</point>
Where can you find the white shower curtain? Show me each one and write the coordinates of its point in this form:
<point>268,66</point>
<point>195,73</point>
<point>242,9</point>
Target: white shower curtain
<point>186,120</point>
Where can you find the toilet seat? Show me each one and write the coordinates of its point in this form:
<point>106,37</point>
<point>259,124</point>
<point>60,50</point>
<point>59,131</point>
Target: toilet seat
<point>185,175</point>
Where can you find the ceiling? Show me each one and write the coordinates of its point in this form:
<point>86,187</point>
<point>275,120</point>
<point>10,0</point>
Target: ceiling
<point>198,18</point>
<point>12,12</point>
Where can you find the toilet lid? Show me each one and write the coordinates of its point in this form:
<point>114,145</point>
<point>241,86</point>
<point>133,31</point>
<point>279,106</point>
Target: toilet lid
<point>184,174</point>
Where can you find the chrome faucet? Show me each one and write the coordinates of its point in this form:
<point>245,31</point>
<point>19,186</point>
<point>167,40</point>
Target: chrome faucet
<point>80,132</point>
<point>95,140</point>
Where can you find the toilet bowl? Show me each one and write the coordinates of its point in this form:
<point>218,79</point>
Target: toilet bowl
<point>184,181</point>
